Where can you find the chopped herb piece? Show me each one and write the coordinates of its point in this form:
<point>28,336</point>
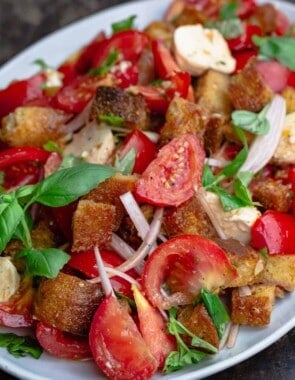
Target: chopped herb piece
<point>107,64</point>
<point>125,24</point>
<point>20,346</point>
<point>41,63</point>
<point>228,28</point>
<point>51,146</point>
<point>126,164</point>
<point>229,11</point>
<point>264,253</point>
<point>111,119</point>
<point>256,123</point>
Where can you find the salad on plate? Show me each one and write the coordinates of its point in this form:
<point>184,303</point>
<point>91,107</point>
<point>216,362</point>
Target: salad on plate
<point>147,206</point>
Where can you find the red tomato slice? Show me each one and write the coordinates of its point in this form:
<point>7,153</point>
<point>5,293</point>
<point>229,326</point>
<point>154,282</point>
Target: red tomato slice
<point>85,262</point>
<point>282,23</point>
<point>185,264</point>
<point>145,149</point>
<point>242,57</point>
<point>246,8</point>
<point>126,77</point>
<point>170,178</point>
<point>274,74</point>
<point>165,64</point>
<point>245,40</point>
<point>154,97</point>
<point>117,346</point>
<point>20,92</point>
<point>60,344</point>
<point>129,43</point>
<point>275,231</point>
<point>153,328</point>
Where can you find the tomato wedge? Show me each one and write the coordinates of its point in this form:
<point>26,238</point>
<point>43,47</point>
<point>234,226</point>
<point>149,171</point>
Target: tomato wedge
<point>274,74</point>
<point>185,264</point>
<point>62,345</point>
<point>171,177</point>
<point>116,344</point>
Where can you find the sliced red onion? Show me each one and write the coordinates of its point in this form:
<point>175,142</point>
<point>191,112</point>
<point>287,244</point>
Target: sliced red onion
<point>216,162</point>
<point>78,121</point>
<point>115,272</point>
<point>263,147</point>
<point>225,336</point>
<point>244,291</point>
<point>233,335</point>
<point>105,281</point>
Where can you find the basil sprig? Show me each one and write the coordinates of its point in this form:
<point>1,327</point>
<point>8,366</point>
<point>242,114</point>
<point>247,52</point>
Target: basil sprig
<point>256,123</point>
<point>20,346</point>
<point>184,354</point>
<point>127,23</point>
<point>59,189</point>
<point>280,48</point>
<point>107,64</point>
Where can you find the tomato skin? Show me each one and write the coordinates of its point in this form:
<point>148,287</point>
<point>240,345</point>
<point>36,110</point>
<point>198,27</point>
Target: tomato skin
<point>12,156</point>
<point>170,178</point>
<point>291,79</point>
<point>244,41</point>
<point>126,78</point>
<point>282,23</point>
<point>145,149</point>
<point>63,216</point>
<point>60,344</point>
<point>291,177</point>
<point>275,231</point>
<point>85,262</point>
<point>112,331</point>
<point>274,74</point>
<point>186,263</point>
<point>20,92</point>
<point>246,8</point>
<point>154,97</point>
<point>242,57</point>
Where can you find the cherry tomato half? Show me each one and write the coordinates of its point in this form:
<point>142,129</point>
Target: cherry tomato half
<point>185,264</point>
<point>245,40</point>
<point>275,231</point>
<point>242,57</point>
<point>62,345</point>
<point>145,149</point>
<point>117,345</point>
<point>170,178</point>
<point>274,74</point>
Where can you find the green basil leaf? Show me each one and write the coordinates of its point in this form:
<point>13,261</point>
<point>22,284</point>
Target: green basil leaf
<point>111,119</point>
<point>216,310</point>
<point>51,146</point>
<point>20,346</point>
<point>242,192</point>
<point>41,63</point>
<point>231,169</point>
<point>208,177</point>
<point>11,214</point>
<point>125,24</point>
<point>126,164</point>
<point>229,202</point>
<point>46,262</point>
<point>66,185</point>
<point>242,118</point>
<point>228,28</point>
<point>20,233</point>
<point>264,253</point>
<point>70,161</point>
<point>280,48</point>
<point>107,64</point>
<point>228,11</point>
<point>177,360</point>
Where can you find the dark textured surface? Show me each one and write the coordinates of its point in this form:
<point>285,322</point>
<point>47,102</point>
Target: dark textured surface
<point>23,22</point>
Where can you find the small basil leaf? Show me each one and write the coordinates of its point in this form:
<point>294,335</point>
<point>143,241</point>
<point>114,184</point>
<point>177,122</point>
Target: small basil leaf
<point>46,262</point>
<point>66,185</point>
<point>208,177</point>
<point>51,146</point>
<point>125,24</point>
<point>242,192</point>
<point>228,28</point>
<point>41,63</point>
<point>20,346</point>
<point>228,11</point>
<point>126,164</point>
<point>242,118</point>
<point>231,169</point>
<point>216,310</point>
<point>229,202</point>
<point>70,161</point>
<point>112,119</point>
<point>20,233</point>
<point>107,64</point>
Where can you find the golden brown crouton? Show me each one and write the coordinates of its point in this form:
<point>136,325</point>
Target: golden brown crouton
<point>247,90</point>
<point>197,320</point>
<point>214,136</point>
<point>93,224</point>
<point>248,263</point>
<point>182,117</point>
<point>265,16</point>
<point>189,218</point>
<point>109,192</point>
<point>272,194</point>
<point>67,303</point>
<point>280,271</point>
<point>131,107</point>
<point>190,15</point>
<point>289,95</point>
<point>211,93</point>
<point>161,30</point>
<point>33,126</point>
<point>254,309</point>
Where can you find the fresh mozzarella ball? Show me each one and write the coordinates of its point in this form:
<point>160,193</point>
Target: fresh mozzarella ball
<point>198,49</point>
<point>9,279</point>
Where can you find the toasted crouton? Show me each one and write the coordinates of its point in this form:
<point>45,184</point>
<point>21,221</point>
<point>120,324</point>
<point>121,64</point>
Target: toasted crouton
<point>272,194</point>
<point>197,320</point>
<point>265,16</point>
<point>67,303</point>
<point>182,117</point>
<point>33,126</point>
<point>289,95</point>
<point>131,107</point>
<point>214,136</point>
<point>93,224</point>
<point>254,309</point>
<point>109,192</point>
<point>248,263</point>
<point>247,90</point>
<point>280,271</point>
<point>190,15</point>
<point>161,30</point>
<point>212,93</point>
<point>189,218</point>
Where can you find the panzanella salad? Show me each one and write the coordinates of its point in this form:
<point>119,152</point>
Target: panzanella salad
<point>147,190</point>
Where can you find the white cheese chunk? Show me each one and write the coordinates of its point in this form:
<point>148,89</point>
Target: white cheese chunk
<point>9,279</point>
<point>94,144</point>
<point>236,224</point>
<point>285,152</point>
<point>198,49</point>
<point>54,78</point>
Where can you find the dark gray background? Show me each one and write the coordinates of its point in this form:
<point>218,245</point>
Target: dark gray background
<point>23,22</point>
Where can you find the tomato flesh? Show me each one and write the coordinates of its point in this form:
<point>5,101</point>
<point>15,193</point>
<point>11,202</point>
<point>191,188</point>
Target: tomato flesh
<point>274,74</point>
<point>60,344</point>
<point>244,41</point>
<point>275,231</point>
<point>116,344</point>
<point>171,177</point>
<point>185,264</point>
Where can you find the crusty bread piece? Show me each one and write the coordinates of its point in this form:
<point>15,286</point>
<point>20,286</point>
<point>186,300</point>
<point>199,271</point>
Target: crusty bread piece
<point>289,95</point>
<point>161,30</point>
<point>254,309</point>
<point>280,271</point>
<point>67,303</point>
<point>93,224</point>
<point>33,126</point>
<point>198,321</point>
